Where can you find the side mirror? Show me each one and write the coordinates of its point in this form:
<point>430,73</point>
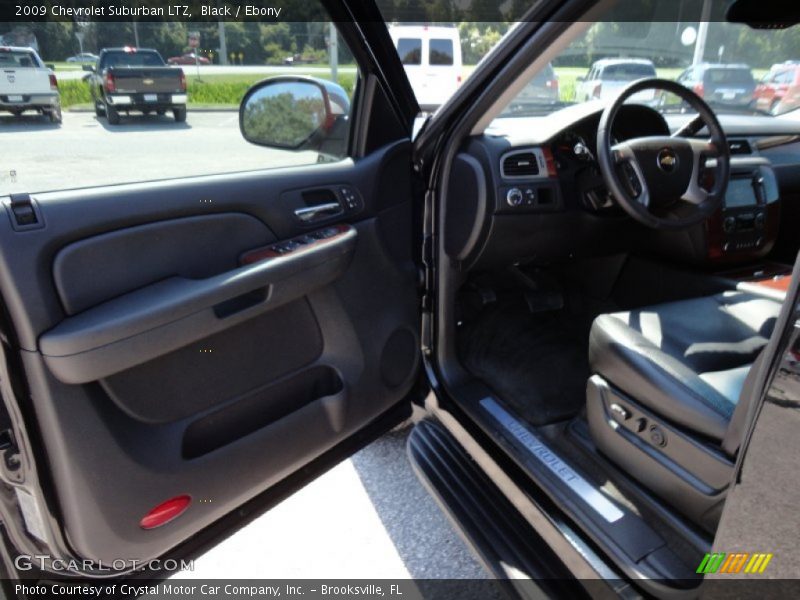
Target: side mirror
<point>292,113</point>
<point>50,66</point>
<point>89,68</point>
<point>580,78</point>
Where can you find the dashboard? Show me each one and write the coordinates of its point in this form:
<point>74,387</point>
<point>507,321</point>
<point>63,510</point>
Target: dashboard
<point>529,188</point>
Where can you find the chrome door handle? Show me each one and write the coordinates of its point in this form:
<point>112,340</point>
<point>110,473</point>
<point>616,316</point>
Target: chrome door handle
<point>320,211</point>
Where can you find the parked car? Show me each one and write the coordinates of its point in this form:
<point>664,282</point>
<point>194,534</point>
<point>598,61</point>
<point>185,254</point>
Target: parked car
<point>188,59</point>
<point>720,84</point>
<point>542,89</point>
<point>431,57</point>
<point>136,79</point>
<point>779,90</point>
<point>27,84</point>
<point>84,57</point>
<point>607,77</point>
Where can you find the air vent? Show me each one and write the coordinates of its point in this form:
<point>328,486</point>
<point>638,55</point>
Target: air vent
<point>520,164</point>
<point>740,147</point>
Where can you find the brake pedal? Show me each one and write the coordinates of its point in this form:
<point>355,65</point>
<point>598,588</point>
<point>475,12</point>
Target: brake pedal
<point>543,301</point>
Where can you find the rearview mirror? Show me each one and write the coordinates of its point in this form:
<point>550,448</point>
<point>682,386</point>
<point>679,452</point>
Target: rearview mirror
<point>292,113</point>
<point>89,68</point>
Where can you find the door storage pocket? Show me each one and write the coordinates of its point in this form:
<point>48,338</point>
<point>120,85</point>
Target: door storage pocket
<point>260,408</point>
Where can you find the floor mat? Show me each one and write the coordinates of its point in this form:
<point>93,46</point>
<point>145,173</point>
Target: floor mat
<point>536,363</point>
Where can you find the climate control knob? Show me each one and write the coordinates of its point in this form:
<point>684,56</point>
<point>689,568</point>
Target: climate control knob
<point>729,224</point>
<point>514,197</point>
<point>760,220</point>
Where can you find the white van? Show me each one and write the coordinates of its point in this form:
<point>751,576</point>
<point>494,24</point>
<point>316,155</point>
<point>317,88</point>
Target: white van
<point>432,59</point>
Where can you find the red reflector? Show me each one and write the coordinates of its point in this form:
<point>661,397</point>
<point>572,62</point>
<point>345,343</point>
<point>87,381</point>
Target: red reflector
<point>165,512</point>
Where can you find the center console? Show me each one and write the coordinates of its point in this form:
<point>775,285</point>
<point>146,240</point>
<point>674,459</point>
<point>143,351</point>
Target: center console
<point>747,224</point>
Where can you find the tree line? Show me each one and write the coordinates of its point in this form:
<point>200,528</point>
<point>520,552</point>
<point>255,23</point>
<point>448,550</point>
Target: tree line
<point>270,43</point>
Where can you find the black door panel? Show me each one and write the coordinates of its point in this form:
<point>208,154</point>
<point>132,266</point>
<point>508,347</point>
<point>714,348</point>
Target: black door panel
<point>161,364</point>
<point>169,314</point>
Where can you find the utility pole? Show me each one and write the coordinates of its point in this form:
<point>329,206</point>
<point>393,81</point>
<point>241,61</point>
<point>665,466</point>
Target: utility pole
<point>333,52</point>
<point>702,33</point>
<point>135,34</point>
<point>223,45</point>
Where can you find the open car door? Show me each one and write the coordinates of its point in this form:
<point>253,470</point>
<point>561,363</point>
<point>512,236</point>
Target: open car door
<point>174,349</point>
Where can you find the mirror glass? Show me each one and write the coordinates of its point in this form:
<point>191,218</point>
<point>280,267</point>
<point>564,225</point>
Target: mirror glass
<point>284,114</point>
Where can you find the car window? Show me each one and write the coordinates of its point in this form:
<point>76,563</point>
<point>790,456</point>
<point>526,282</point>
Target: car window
<point>172,122</point>
<point>735,76</point>
<point>545,75</point>
<point>410,50</point>
<point>628,72</point>
<point>440,52</point>
<point>17,59</point>
<point>132,59</point>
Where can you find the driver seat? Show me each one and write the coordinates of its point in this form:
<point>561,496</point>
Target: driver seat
<point>665,386</point>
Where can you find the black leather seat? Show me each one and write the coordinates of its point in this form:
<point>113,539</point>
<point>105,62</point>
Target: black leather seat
<point>685,361</point>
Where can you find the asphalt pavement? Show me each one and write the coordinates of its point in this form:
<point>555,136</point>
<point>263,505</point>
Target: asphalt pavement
<point>86,151</point>
<point>367,518</point>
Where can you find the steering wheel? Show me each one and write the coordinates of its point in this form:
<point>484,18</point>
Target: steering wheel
<point>657,179</point>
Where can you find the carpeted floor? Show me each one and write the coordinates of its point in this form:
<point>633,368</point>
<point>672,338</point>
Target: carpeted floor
<point>536,363</point>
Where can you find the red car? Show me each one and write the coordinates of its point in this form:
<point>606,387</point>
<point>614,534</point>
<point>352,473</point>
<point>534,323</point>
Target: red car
<point>779,91</point>
<point>188,59</point>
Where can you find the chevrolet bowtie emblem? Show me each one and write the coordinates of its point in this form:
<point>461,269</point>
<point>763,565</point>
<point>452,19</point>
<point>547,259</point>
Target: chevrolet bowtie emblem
<point>667,160</point>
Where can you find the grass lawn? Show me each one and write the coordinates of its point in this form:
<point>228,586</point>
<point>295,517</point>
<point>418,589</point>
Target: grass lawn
<point>65,66</point>
<point>204,91</point>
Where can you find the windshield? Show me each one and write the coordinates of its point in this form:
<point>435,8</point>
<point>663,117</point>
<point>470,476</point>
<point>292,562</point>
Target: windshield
<point>715,76</point>
<point>628,72</point>
<point>17,59</point>
<point>719,61</point>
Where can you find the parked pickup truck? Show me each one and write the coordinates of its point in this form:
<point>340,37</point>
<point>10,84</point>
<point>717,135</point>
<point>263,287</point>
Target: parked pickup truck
<point>27,84</point>
<point>136,79</point>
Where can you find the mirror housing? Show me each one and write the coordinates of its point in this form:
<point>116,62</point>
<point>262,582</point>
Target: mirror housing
<point>580,78</point>
<point>50,66</point>
<point>292,112</point>
<point>752,12</point>
<point>89,68</point>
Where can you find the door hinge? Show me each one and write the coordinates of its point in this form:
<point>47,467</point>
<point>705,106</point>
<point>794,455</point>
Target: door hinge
<point>24,212</point>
